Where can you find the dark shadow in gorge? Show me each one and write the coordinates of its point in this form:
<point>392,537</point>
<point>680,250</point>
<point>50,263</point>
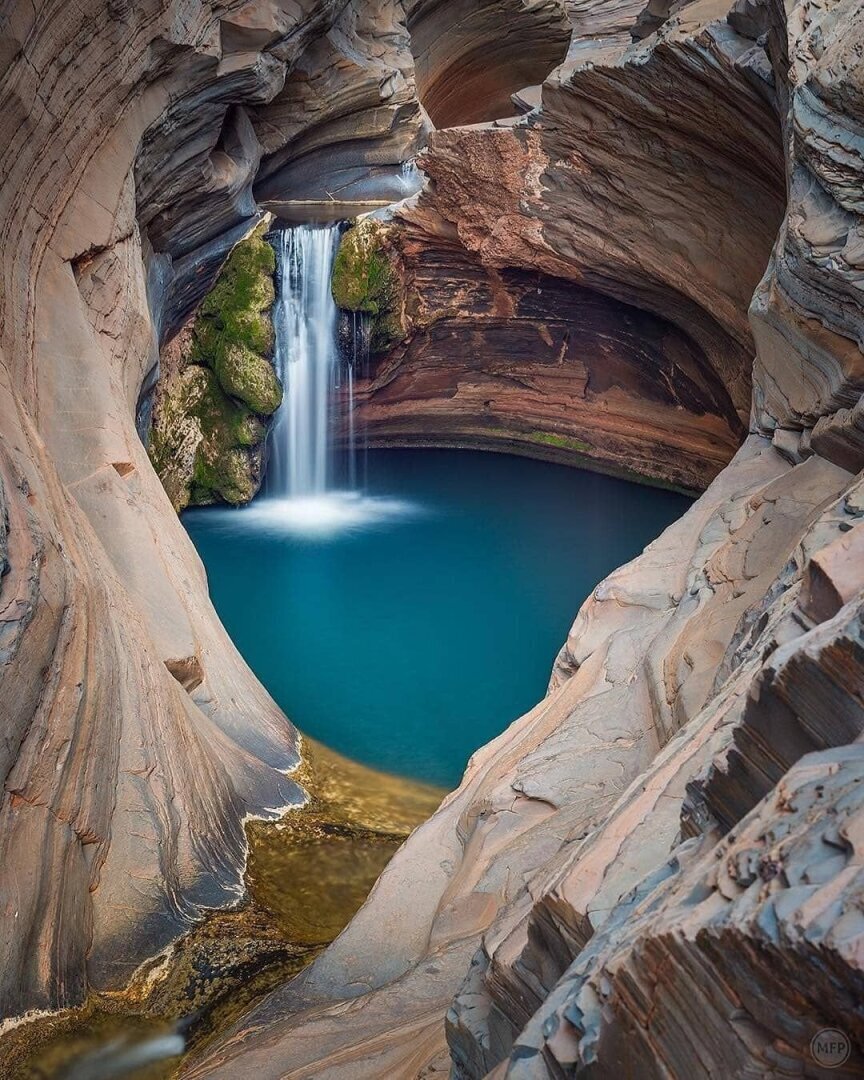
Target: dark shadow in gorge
<point>527,363</point>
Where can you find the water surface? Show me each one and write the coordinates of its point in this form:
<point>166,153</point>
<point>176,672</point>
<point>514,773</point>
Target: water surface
<point>408,628</point>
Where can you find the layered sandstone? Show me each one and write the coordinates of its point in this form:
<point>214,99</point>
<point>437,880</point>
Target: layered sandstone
<point>576,281</point>
<point>134,740</point>
<point>625,871</point>
<point>656,871</point>
<point>472,55</point>
<point>518,360</point>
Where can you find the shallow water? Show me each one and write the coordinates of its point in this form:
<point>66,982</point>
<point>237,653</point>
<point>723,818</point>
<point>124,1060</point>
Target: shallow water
<point>407,628</point>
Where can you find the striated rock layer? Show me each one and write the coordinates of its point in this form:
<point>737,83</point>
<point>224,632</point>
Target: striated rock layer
<point>133,739</point>
<point>525,362</point>
<point>579,279</point>
<point>472,55</point>
<point>656,871</point>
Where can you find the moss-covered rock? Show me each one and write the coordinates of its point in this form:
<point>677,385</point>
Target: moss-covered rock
<point>236,311</point>
<point>218,388</point>
<point>563,442</point>
<point>176,432</point>
<point>249,378</point>
<point>366,279</point>
<point>232,474</point>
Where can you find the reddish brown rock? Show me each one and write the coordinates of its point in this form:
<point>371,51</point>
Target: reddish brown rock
<point>529,363</point>
<point>548,909</point>
<point>580,278</point>
<point>694,679</point>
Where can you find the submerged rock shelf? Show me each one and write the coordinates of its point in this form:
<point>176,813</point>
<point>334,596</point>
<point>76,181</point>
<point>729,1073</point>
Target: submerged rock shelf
<point>305,877</point>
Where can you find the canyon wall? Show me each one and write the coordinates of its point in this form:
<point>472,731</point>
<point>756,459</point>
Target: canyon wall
<point>671,836</point>
<point>134,740</point>
<point>139,142</point>
<point>656,871</point>
<point>575,282</point>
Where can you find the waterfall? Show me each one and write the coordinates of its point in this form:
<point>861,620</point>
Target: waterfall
<point>410,179</point>
<point>302,494</point>
<point>360,334</point>
<point>306,360</point>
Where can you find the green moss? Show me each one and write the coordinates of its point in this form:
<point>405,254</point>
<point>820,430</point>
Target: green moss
<point>233,333</point>
<point>365,280</point>
<point>248,377</point>
<point>223,468</point>
<point>249,430</point>
<point>547,438</point>
<point>230,474</point>
<point>564,442</point>
<point>176,431</point>
<point>208,432</point>
<point>236,309</point>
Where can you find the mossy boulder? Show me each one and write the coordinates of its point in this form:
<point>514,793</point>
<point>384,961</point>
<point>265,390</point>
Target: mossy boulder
<point>237,309</point>
<point>249,378</point>
<point>176,432</point>
<point>233,476</point>
<point>366,279</point>
<point>218,387</point>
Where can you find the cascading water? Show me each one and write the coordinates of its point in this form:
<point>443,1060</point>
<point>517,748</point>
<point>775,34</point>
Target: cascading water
<point>302,495</point>
<point>306,360</point>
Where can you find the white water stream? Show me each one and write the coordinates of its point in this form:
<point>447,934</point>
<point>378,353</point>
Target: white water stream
<point>306,360</point>
<point>302,495</point>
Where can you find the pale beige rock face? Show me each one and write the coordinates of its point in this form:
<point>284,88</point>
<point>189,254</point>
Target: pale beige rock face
<point>133,737</point>
<point>638,667</point>
<point>124,793</point>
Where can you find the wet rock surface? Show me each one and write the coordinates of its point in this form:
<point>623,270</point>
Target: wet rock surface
<point>306,877</point>
<point>134,740</point>
<point>218,389</point>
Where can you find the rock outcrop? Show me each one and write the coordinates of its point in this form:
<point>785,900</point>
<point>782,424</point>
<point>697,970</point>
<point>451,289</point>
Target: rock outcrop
<point>669,840</point>
<point>576,282</point>
<point>133,738</point>
<point>472,55</point>
<point>525,362</point>
<point>335,138</point>
<point>217,387</point>
<point>656,871</point>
